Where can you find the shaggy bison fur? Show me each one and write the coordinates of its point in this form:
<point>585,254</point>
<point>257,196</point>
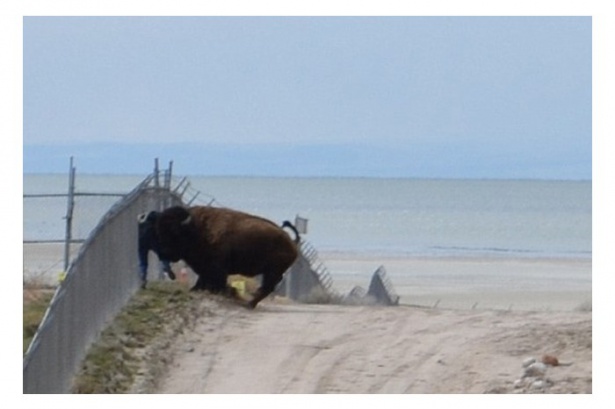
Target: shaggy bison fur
<point>217,242</point>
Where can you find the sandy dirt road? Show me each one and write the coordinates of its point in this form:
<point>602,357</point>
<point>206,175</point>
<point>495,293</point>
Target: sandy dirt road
<point>291,348</point>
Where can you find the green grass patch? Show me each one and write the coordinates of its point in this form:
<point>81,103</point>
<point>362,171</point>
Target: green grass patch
<point>133,349</point>
<point>35,304</point>
<point>114,361</point>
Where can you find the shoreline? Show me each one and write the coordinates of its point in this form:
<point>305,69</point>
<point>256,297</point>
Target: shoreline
<point>495,256</point>
<point>502,283</point>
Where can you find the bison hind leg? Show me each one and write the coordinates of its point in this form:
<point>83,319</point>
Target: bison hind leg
<point>270,281</point>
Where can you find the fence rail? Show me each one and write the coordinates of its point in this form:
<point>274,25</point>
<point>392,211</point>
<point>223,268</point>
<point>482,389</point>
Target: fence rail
<point>42,195</point>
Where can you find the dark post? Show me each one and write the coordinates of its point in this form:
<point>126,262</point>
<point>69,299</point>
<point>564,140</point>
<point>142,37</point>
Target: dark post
<point>169,175</point>
<point>156,173</point>
<point>69,213</point>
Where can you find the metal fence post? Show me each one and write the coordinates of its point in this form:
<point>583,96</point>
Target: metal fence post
<point>156,174</point>
<point>69,213</point>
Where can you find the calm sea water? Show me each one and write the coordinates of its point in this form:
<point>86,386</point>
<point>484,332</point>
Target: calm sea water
<point>409,217</point>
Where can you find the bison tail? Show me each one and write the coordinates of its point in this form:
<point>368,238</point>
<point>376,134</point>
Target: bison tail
<point>290,226</point>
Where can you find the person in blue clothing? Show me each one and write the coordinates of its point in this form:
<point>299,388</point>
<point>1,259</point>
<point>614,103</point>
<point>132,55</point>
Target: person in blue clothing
<point>147,243</point>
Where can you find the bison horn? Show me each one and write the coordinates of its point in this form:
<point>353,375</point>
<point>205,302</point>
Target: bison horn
<point>186,221</point>
<point>144,217</point>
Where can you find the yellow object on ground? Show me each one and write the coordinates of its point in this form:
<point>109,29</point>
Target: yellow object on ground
<point>240,286</point>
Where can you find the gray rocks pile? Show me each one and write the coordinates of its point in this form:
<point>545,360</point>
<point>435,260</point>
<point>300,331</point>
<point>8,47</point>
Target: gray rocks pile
<point>534,377</point>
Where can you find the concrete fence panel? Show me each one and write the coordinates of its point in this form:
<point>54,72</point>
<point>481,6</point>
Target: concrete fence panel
<point>381,288</point>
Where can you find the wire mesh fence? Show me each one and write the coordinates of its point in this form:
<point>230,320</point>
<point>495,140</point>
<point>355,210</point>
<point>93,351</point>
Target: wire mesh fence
<point>98,283</point>
<point>55,224</point>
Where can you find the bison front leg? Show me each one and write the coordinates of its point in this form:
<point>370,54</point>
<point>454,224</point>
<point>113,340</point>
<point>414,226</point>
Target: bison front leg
<point>211,277</point>
<point>215,287</point>
<point>214,284</point>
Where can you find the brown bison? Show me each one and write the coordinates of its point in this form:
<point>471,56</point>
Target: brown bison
<point>217,242</point>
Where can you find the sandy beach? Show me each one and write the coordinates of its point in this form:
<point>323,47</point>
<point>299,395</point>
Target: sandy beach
<point>554,284</point>
<point>463,327</point>
<point>43,263</point>
<point>291,348</point>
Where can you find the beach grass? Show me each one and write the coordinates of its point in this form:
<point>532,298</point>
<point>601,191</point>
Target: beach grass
<point>36,299</point>
<point>133,348</point>
<point>113,362</point>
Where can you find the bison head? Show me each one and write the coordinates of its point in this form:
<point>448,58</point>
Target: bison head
<point>175,232</point>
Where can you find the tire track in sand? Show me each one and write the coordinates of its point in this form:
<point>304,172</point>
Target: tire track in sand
<point>291,348</point>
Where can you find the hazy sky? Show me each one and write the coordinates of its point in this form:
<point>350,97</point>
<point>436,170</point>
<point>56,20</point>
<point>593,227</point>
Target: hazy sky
<point>425,97</point>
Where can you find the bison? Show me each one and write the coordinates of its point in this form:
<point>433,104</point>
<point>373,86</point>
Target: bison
<point>217,242</point>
